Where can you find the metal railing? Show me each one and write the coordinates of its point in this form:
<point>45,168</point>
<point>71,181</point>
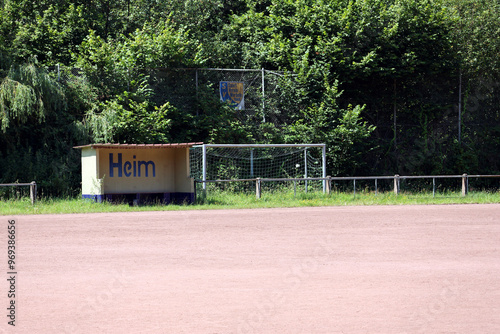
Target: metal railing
<point>328,181</point>
<point>32,186</point>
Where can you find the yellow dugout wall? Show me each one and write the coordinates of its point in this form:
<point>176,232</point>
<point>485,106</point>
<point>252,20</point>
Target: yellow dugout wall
<point>136,172</point>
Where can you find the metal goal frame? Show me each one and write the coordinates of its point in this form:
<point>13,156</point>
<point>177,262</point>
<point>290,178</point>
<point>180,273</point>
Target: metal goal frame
<point>305,146</point>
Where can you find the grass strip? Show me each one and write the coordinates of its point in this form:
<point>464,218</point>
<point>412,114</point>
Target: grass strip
<point>230,200</point>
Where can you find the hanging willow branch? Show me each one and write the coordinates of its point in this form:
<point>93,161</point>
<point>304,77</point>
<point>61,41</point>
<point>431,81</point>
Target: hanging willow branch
<point>28,92</point>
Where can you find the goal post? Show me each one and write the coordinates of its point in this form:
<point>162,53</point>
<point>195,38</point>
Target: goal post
<point>250,161</point>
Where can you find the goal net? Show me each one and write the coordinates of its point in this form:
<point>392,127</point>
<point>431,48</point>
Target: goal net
<point>210,162</point>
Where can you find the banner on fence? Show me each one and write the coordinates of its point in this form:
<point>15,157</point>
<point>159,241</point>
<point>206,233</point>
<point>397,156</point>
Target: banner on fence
<point>234,93</point>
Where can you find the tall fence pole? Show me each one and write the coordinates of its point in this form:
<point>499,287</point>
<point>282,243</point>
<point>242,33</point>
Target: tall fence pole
<point>323,152</point>
<point>196,82</point>
<point>263,96</point>
<point>251,162</point>
<point>460,108</point>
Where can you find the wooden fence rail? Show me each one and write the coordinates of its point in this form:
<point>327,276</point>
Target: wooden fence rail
<point>32,186</point>
<point>396,179</point>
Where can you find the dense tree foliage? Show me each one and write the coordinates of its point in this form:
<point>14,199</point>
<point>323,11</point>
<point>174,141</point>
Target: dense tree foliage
<point>392,86</point>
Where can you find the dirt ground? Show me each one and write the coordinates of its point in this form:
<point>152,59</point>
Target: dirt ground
<point>376,269</point>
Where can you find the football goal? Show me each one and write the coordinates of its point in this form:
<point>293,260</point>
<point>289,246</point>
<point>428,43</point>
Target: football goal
<point>280,162</point>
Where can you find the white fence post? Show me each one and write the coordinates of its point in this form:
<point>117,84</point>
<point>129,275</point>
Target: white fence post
<point>465,184</point>
<point>328,185</point>
<point>396,184</point>
<point>33,192</point>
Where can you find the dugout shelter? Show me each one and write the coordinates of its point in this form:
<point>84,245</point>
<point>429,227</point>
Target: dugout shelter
<point>137,172</point>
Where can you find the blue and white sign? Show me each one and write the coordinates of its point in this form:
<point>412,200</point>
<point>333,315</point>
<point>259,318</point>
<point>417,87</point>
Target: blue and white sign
<point>234,93</point>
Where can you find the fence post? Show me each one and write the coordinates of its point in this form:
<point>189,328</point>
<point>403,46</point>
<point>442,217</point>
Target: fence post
<point>196,84</point>
<point>257,187</point>
<point>396,184</point>
<point>323,174</point>
<point>204,167</point>
<point>263,95</point>
<point>33,192</point>
<point>328,184</point>
<point>465,184</point>
<point>195,192</point>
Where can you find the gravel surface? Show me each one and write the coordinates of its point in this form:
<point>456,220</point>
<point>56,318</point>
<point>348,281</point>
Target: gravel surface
<point>368,269</point>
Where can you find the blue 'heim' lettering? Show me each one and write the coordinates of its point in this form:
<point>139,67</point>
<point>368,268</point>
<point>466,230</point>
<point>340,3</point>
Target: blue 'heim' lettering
<point>130,168</point>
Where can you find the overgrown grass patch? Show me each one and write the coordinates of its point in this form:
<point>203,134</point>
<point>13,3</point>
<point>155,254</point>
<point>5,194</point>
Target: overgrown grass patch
<point>248,200</point>
<point>288,199</point>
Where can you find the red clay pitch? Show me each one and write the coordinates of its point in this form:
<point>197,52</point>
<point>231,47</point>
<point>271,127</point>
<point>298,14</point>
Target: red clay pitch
<point>375,269</point>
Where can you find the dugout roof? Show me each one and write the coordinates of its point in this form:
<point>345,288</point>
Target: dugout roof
<point>138,146</point>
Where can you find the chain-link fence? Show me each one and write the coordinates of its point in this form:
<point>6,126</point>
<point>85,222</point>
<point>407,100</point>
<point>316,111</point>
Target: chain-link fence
<point>188,88</point>
<point>185,88</point>
<point>422,123</point>
<point>65,74</point>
